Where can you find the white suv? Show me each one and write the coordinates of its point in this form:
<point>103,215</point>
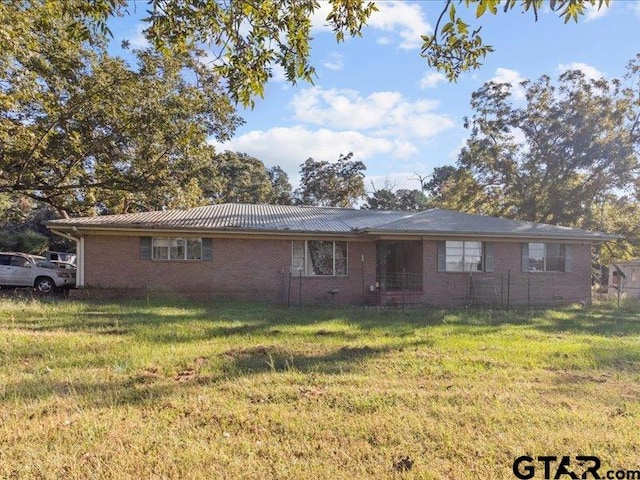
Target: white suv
<point>22,270</point>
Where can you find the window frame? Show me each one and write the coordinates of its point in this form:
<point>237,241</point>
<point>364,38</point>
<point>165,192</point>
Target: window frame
<point>561,259</point>
<point>483,256</point>
<point>305,263</point>
<point>175,243</point>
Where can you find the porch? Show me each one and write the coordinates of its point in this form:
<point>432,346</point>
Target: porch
<point>399,272</point>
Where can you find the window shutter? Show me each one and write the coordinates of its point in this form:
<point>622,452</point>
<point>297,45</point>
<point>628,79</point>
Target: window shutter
<point>488,257</point>
<point>568,258</point>
<point>442,256</point>
<point>525,257</point>
<point>207,249</point>
<point>145,248</point>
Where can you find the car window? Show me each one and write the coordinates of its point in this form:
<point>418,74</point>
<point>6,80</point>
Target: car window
<point>45,264</point>
<point>18,261</point>
<point>5,259</point>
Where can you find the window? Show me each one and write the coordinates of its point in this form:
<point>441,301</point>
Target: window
<point>546,257</point>
<point>17,261</point>
<point>463,256</point>
<point>175,248</point>
<point>319,257</point>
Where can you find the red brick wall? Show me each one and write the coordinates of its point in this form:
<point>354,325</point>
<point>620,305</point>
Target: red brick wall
<point>543,288</point>
<point>252,269</point>
<point>259,269</point>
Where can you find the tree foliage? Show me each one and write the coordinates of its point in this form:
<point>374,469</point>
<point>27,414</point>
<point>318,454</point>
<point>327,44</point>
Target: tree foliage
<point>83,131</point>
<point>248,39</point>
<point>455,188</point>
<point>401,199</point>
<point>338,184</point>
<point>245,39</point>
<point>567,154</point>
<point>455,46</point>
<point>234,177</point>
<point>281,190</point>
<point>22,226</point>
<point>552,158</point>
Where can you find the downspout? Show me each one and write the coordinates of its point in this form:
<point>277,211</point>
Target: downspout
<point>79,239</point>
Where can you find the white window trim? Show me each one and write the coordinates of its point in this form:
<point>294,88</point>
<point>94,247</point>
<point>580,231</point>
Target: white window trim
<point>306,253</point>
<point>483,257</point>
<point>186,249</point>
<point>544,258</point>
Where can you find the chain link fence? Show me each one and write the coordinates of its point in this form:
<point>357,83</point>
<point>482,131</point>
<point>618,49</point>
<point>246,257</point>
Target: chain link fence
<point>412,289</point>
<point>496,290</point>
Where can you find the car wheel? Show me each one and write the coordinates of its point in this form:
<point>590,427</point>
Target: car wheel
<point>44,285</point>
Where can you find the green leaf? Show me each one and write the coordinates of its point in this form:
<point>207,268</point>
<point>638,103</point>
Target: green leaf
<point>482,6</point>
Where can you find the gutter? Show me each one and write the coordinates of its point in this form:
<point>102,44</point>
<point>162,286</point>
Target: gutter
<point>365,232</point>
<point>509,236</point>
<point>63,234</point>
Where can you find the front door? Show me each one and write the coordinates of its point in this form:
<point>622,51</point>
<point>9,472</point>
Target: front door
<point>399,265</point>
<point>391,264</point>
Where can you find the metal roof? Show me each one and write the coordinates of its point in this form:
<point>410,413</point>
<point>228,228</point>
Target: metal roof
<point>309,219</point>
<point>450,222</point>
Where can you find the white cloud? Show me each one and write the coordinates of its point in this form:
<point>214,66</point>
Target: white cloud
<point>455,153</point>
<point>402,19</point>
<point>589,71</point>
<point>136,37</point>
<point>291,146</point>
<point>319,21</point>
<point>384,113</point>
<point>381,129</point>
<point>277,73</point>
<point>593,13</point>
<point>635,8</point>
<point>513,77</point>
<point>432,79</point>
<point>333,61</point>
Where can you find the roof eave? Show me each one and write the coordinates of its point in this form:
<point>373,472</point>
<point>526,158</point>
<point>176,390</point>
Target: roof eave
<point>193,230</point>
<point>128,228</point>
<point>518,235</point>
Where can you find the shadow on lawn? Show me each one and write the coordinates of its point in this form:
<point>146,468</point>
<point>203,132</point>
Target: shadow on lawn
<point>177,320</point>
<point>260,359</point>
<point>593,320</point>
<point>148,385</point>
<point>335,341</point>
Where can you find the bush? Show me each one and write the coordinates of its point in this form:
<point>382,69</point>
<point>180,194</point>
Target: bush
<point>26,241</point>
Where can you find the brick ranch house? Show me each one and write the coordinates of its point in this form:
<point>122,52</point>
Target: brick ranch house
<point>311,255</point>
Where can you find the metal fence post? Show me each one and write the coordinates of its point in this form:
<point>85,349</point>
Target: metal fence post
<point>508,289</point>
<point>619,288</point>
<point>364,292</point>
<point>404,287</point>
<point>300,292</point>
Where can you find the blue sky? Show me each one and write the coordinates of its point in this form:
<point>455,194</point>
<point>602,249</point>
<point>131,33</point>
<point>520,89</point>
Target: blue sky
<point>376,97</point>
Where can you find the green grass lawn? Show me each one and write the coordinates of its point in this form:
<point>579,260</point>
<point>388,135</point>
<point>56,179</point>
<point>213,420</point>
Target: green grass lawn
<point>173,389</point>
